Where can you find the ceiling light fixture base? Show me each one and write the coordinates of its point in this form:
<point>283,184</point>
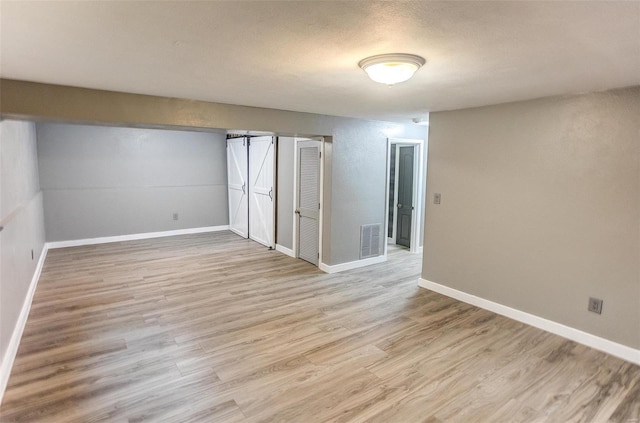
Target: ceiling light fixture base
<point>421,121</point>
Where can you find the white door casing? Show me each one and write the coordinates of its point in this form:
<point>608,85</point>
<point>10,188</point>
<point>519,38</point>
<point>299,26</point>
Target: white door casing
<point>237,169</point>
<point>262,190</point>
<point>308,200</point>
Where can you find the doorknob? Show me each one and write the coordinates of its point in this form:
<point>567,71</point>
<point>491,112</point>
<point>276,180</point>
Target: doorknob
<point>297,211</point>
<point>399,205</point>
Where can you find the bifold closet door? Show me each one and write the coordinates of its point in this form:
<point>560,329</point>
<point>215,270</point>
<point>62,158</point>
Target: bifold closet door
<point>262,190</point>
<point>237,170</point>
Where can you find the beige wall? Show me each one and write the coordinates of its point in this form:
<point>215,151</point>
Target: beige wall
<point>541,208</point>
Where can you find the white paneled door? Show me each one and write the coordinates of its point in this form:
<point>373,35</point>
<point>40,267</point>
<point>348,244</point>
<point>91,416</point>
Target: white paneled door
<point>237,169</point>
<point>308,205</point>
<point>262,190</point>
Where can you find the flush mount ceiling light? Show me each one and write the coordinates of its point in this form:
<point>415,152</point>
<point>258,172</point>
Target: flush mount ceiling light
<point>392,68</point>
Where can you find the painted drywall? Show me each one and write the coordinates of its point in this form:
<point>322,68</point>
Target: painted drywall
<point>353,179</point>
<point>541,208</point>
<point>358,186</point>
<point>327,200</point>
<point>286,174</point>
<point>22,221</point>
<point>423,205</point>
<point>104,181</point>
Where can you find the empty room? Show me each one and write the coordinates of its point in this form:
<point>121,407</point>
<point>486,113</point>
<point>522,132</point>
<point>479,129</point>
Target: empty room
<point>310,211</point>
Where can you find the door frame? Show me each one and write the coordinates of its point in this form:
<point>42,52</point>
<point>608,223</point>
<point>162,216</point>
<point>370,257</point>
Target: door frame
<point>396,180</point>
<point>420,148</point>
<point>296,229</point>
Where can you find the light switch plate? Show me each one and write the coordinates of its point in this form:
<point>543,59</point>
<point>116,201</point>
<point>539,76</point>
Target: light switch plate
<point>595,305</point>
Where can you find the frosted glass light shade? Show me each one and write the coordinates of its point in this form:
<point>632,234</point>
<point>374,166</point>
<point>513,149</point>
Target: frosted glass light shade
<point>391,69</point>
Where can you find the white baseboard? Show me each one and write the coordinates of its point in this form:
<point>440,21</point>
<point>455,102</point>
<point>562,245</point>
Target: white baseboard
<point>133,237</point>
<point>336,268</point>
<point>285,250</point>
<point>621,351</point>
<point>14,342</point>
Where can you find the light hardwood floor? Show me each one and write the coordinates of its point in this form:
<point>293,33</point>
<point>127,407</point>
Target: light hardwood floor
<point>214,328</point>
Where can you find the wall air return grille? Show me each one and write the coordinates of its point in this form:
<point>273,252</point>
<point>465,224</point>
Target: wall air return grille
<point>370,240</point>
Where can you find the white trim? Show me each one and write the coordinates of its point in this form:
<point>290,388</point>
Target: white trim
<point>352,264</point>
<point>294,226</point>
<point>133,237</point>
<point>396,182</point>
<point>321,201</point>
<point>386,198</point>
<point>621,351</point>
<point>14,342</point>
<point>418,193</point>
<point>274,189</point>
<point>285,250</point>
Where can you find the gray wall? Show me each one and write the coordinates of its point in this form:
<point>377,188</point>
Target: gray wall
<point>355,149</point>
<point>358,174</point>
<point>540,208</point>
<point>103,181</point>
<point>423,205</point>
<point>21,216</point>
<point>286,173</point>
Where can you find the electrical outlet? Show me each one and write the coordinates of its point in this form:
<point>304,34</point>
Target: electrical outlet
<point>595,305</point>
<point>175,216</point>
<point>436,198</point>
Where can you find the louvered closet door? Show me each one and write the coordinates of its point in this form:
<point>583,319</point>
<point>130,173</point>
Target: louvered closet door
<point>261,190</point>
<point>237,168</point>
<point>308,207</point>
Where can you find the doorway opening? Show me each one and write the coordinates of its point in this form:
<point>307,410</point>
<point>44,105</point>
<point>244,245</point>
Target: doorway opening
<point>251,188</point>
<point>405,193</point>
<point>275,192</point>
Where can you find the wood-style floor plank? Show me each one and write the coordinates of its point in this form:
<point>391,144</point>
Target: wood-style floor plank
<point>215,328</point>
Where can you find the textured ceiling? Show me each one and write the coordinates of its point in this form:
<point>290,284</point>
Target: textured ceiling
<point>303,55</point>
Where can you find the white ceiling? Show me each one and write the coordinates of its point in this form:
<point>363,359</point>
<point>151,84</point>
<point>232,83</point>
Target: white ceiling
<point>303,55</point>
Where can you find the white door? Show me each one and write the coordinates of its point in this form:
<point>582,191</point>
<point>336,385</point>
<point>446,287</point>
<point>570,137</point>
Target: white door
<point>262,190</point>
<point>237,186</point>
<point>308,203</point>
